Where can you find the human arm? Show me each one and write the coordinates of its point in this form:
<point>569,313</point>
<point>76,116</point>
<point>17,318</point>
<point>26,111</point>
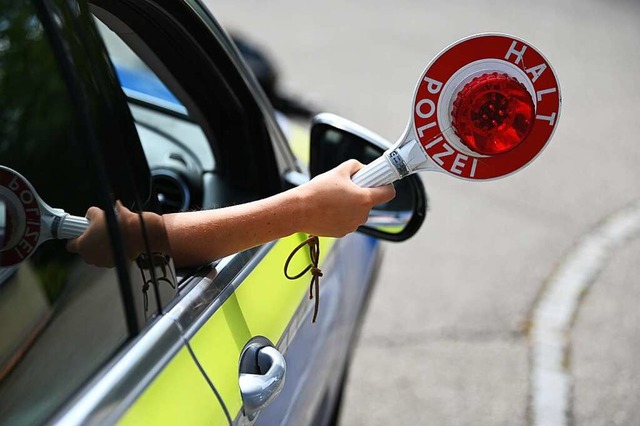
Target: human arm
<point>328,205</point>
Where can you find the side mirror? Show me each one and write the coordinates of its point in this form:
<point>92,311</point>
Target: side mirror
<point>335,140</point>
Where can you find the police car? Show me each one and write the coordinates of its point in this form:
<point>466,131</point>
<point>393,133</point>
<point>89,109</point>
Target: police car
<point>150,103</point>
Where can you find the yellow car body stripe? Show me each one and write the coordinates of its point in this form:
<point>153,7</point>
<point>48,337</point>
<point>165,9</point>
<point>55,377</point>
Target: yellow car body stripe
<point>263,305</point>
<point>266,288</point>
<point>178,396</point>
<point>299,141</point>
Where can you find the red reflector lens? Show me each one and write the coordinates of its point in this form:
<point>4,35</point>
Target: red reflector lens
<point>493,114</point>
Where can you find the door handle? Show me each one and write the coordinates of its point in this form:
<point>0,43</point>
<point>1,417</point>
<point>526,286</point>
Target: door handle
<point>262,376</point>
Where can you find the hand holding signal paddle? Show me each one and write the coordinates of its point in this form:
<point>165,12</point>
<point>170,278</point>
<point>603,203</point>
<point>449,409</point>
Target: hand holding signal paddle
<point>484,108</point>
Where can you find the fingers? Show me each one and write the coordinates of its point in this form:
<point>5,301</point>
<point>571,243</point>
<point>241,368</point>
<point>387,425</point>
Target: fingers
<point>93,213</point>
<point>350,167</point>
<point>382,194</point>
<point>72,245</point>
<point>379,194</point>
<point>121,209</point>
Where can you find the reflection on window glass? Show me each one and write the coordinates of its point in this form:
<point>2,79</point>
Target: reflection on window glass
<point>133,73</point>
<point>60,318</point>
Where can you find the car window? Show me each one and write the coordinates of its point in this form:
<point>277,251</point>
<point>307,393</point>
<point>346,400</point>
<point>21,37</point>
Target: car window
<point>176,148</point>
<point>201,74</point>
<point>62,319</point>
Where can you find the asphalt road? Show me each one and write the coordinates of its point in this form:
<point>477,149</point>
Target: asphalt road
<point>458,332</point>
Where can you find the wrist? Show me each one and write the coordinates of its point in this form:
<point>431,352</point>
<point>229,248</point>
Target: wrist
<point>129,224</point>
<point>302,202</point>
<point>156,233</point>
<point>133,236</point>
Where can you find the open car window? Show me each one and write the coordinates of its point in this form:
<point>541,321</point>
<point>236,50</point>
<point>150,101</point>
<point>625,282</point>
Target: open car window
<point>183,148</point>
<point>176,148</point>
<point>200,69</point>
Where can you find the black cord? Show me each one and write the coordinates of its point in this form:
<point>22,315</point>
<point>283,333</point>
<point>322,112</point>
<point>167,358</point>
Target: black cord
<point>314,254</point>
<point>209,382</point>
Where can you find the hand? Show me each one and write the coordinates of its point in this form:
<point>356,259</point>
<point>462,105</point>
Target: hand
<point>335,206</point>
<point>94,245</point>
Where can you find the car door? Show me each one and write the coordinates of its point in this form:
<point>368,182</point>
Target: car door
<point>79,343</point>
<point>244,298</point>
